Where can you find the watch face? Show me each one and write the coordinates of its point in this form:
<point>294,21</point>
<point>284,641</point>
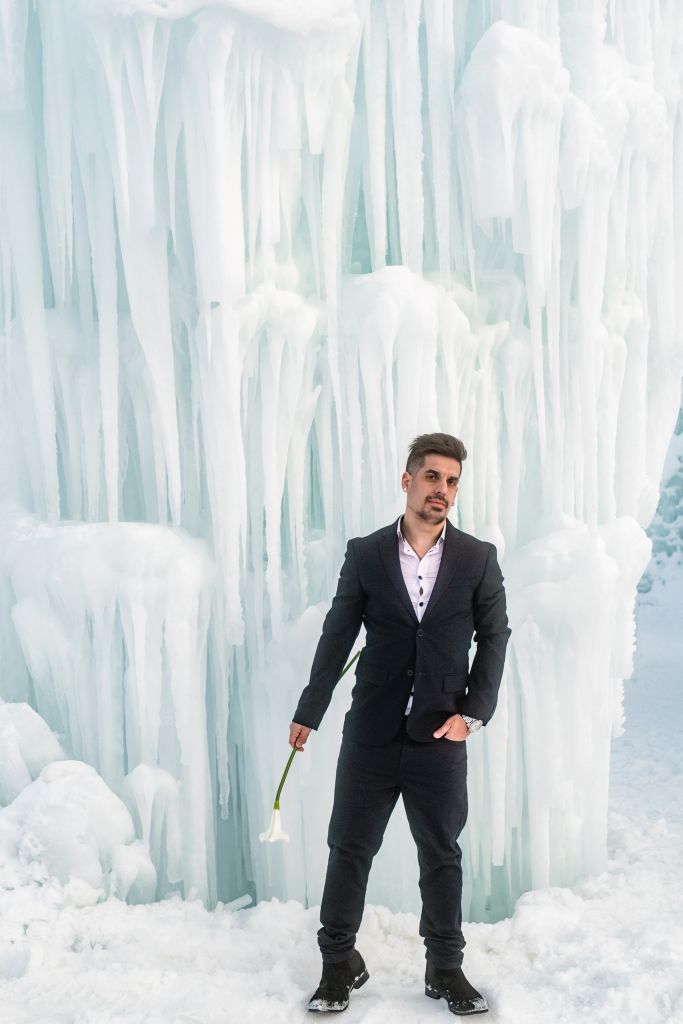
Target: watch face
<point>473,726</point>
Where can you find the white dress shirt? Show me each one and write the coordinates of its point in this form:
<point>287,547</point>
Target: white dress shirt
<point>419,575</point>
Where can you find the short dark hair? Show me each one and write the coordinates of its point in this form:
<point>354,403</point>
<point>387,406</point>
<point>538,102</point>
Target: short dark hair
<point>434,444</point>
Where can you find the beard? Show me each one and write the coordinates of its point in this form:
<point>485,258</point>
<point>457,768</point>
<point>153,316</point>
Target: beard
<point>433,513</point>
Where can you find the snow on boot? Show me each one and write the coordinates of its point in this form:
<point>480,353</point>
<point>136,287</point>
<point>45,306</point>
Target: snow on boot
<point>452,984</point>
<point>332,995</point>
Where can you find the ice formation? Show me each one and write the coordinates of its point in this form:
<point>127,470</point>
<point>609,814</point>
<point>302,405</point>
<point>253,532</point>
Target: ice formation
<point>69,825</point>
<point>247,251</point>
<point>27,745</point>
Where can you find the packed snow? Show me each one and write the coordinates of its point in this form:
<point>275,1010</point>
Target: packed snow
<point>70,827</point>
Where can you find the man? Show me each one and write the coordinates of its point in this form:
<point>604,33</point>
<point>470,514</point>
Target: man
<point>421,588</point>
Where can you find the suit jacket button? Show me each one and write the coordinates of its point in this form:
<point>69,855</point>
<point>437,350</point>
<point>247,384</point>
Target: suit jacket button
<point>409,672</point>
<point>420,632</point>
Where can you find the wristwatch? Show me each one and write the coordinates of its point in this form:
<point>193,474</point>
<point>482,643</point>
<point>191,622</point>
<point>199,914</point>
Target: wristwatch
<point>472,723</point>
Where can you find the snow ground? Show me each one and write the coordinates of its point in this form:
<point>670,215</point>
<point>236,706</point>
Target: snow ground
<point>607,951</point>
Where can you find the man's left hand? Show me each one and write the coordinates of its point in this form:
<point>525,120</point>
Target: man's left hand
<point>454,729</point>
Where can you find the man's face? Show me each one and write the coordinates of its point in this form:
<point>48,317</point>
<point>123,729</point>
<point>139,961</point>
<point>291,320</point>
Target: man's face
<point>432,490</point>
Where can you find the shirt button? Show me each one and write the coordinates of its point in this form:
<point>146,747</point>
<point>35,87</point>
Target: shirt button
<point>409,672</point>
<point>420,632</point>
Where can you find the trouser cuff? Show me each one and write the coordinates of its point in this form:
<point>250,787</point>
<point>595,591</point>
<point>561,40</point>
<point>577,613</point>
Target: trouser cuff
<point>336,958</point>
<point>336,948</point>
<point>442,964</point>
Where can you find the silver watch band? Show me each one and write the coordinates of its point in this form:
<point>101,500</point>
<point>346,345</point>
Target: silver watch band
<point>472,723</point>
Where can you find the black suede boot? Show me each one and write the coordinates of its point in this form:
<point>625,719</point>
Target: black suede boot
<point>452,984</point>
<point>332,995</point>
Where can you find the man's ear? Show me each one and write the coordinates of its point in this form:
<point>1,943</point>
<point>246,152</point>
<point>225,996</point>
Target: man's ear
<point>405,481</point>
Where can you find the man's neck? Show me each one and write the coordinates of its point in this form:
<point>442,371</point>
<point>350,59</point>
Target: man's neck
<point>420,535</point>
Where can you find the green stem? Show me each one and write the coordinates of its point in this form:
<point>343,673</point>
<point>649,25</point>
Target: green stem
<point>276,805</point>
<point>282,780</point>
<point>356,655</point>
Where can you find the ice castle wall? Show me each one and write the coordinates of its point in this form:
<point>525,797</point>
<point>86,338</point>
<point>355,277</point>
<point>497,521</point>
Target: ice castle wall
<point>247,251</point>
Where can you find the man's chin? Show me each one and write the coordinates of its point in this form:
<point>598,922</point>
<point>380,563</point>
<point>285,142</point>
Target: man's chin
<point>434,514</point>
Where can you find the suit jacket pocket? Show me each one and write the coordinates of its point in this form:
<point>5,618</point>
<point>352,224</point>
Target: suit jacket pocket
<point>455,683</point>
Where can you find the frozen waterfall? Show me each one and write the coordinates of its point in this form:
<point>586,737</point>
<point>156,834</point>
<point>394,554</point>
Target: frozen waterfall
<point>249,249</point>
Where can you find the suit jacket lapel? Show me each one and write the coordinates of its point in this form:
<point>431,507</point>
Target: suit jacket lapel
<point>451,563</point>
<point>392,564</point>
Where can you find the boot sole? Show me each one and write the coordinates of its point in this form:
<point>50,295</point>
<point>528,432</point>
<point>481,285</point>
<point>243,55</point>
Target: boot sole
<point>358,983</point>
<point>434,993</point>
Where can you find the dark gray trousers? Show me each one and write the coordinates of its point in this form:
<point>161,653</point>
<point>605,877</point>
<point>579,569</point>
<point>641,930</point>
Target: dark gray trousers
<point>432,779</point>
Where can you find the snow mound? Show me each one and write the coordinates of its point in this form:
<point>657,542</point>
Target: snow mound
<point>27,744</point>
<point>69,825</point>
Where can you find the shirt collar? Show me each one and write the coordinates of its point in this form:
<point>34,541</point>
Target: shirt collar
<point>439,540</point>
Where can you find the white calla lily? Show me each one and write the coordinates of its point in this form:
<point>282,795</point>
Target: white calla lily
<point>274,833</point>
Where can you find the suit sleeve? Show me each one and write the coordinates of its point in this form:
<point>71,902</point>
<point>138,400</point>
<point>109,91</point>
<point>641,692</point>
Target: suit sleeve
<point>340,629</point>
<point>491,635</point>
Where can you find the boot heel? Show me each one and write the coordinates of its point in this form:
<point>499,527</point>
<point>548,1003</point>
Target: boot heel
<point>361,981</point>
<point>431,993</point>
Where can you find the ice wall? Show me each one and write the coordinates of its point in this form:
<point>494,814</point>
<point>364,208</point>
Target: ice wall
<point>247,251</point>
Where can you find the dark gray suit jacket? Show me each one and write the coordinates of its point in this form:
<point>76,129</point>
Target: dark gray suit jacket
<point>468,598</point>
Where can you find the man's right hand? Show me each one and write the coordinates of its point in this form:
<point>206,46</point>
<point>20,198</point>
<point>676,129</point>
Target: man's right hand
<point>298,734</point>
